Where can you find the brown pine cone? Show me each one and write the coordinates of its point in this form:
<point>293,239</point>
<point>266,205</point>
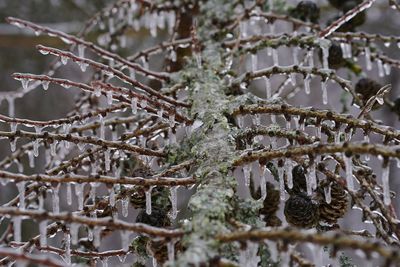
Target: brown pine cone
<point>270,204</point>
<point>301,211</point>
<point>299,180</point>
<point>330,213</point>
<point>367,88</point>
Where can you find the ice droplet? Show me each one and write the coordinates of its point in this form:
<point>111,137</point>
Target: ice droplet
<point>148,200</point>
<point>45,85</point>
<point>173,198</point>
<point>43,233</point>
<point>125,206</point>
<point>385,183</point>
<point>349,172</point>
<point>246,175</point>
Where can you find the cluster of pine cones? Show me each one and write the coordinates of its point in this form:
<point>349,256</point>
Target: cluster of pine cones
<point>302,210</point>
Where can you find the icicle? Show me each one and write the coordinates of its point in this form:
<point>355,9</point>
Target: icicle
<point>92,192</point>
<point>292,78</point>
<point>56,199</point>
<point>324,92</point>
<point>387,68</point>
<point>275,57</point>
<point>125,206</point>
<point>41,201</point>
<point>35,144</point>
<point>368,61</point>
<point>25,83</point>
<point>295,54</point>
<point>104,262</point>
<point>327,192</point>
<point>171,250</point>
<point>67,238</point>
<point>254,62</point>
<point>268,91</point>
<point>102,128</point>
<point>107,160</point>
<point>79,194</point>
<point>74,230</point>
<point>263,183</point>
<point>64,60</point>
<point>111,196</point>
<point>171,119</point>
<point>13,144</point>
<point>173,55</point>
<point>21,194</point>
<point>385,183</point>
<point>246,175</point>
<point>134,106</point>
<point>310,56</point>
<point>381,71</point>
<point>43,233</point>
<point>307,81</point>
<point>288,170</point>
<point>17,228</point>
<point>325,55</point>
<point>148,200</point>
<point>81,50</point>
<point>248,257</point>
<point>45,85</point>
<point>125,240</point>
<point>281,183</point>
<point>313,177</point>
<point>240,121</point>
<point>96,236</point>
<point>53,148</point>
<point>31,159</point>
<point>349,172</point>
<point>144,62</point>
<point>69,194</point>
<point>173,198</point>
<point>109,97</point>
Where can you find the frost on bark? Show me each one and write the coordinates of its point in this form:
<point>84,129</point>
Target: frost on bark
<point>199,150</point>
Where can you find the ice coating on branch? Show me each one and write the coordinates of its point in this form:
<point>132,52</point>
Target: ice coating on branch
<point>174,202</point>
<point>385,183</point>
<point>349,172</point>
<point>43,233</point>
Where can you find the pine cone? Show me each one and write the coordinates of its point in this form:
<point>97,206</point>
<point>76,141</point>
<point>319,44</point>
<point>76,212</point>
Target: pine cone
<point>157,218</point>
<point>367,88</point>
<point>335,210</point>
<point>270,204</point>
<point>301,211</point>
<point>306,11</point>
<point>299,180</point>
